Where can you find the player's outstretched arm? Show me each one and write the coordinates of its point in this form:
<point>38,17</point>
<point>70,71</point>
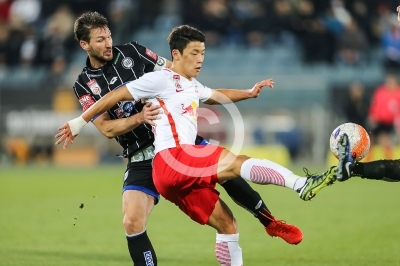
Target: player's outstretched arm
<point>224,96</point>
<point>71,129</point>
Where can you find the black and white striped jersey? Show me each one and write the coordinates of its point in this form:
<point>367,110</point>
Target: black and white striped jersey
<point>130,61</point>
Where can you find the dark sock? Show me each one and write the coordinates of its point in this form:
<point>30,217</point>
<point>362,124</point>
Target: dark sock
<point>387,170</point>
<point>245,196</point>
<point>141,250</point>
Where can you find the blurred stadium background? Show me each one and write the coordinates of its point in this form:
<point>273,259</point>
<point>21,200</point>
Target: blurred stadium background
<point>317,51</point>
<point>314,50</point>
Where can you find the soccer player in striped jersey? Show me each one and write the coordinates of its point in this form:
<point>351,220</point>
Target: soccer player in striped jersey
<point>184,173</point>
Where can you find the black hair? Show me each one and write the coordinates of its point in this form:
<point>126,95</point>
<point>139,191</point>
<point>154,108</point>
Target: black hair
<point>181,36</point>
<point>87,22</point>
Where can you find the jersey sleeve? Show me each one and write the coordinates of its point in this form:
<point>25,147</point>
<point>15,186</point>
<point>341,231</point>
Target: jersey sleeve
<point>84,95</point>
<point>204,92</point>
<point>150,59</point>
<point>149,86</point>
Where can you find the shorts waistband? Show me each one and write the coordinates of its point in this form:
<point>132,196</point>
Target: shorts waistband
<point>142,155</point>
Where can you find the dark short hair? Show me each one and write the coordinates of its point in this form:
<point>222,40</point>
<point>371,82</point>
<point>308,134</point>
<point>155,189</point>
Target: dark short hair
<point>181,36</point>
<point>87,22</point>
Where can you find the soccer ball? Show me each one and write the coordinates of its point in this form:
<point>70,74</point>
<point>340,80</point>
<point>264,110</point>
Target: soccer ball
<point>358,138</point>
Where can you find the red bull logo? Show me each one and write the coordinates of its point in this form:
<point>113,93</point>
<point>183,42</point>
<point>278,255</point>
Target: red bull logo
<point>190,110</point>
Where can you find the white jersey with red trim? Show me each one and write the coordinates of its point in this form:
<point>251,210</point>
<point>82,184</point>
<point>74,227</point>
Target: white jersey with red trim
<point>179,98</point>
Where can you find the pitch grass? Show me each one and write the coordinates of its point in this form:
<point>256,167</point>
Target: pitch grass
<point>352,223</point>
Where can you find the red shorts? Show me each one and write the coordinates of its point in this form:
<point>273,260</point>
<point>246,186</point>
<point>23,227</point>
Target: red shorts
<point>187,177</point>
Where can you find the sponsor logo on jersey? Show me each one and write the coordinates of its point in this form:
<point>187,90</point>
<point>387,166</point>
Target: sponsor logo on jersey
<point>127,62</point>
<point>336,133</point>
<point>151,54</point>
<point>127,108</point>
<point>94,75</point>
<point>119,112</point>
<point>177,82</point>
<point>113,80</point>
<point>86,101</point>
<point>160,61</point>
<point>148,258</point>
<point>190,110</point>
<point>94,87</point>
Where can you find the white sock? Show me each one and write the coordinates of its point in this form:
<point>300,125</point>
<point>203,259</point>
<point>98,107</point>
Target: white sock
<point>267,172</point>
<point>299,183</point>
<point>227,250</point>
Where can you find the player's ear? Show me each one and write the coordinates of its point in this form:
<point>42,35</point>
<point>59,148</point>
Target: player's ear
<point>84,45</point>
<point>175,54</point>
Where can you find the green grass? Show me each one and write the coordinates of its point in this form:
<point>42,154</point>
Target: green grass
<point>351,223</point>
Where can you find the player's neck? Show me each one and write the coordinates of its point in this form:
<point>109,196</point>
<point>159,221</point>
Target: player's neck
<point>179,71</point>
<point>94,63</point>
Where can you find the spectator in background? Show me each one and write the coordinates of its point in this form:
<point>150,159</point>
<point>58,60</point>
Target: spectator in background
<point>170,15</point>
<point>4,46</point>
<point>26,10</point>
<point>316,41</point>
<point>383,112</point>
<point>280,18</point>
<point>356,107</point>
<point>57,36</point>
<point>391,47</point>
<point>122,15</point>
<point>5,6</point>
<point>352,44</point>
<point>55,77</point>
<point>253,21</point>
<point>29,47</point>
<point>213,19</point>
<point>361,13</point>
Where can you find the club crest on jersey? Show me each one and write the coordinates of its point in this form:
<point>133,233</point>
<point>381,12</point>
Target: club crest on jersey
<point>94,87</point>
<point>127,108</point>
<point>190,110</point>
<point>177,82</point>
<point>127,62</point>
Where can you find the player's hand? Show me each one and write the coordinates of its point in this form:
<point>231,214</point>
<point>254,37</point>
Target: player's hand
<point>150,113</point>
<point>64,134</point>
<point>398,14</point>
<point>255,91</point>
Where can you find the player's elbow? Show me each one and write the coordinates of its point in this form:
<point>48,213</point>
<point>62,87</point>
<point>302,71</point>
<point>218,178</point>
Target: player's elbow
<point>108,133</point>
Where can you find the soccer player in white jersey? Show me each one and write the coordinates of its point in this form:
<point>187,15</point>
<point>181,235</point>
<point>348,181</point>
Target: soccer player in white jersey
<point>184,173</point>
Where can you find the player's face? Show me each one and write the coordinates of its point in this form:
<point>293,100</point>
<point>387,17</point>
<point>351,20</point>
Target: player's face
<point>100,45</point>
<point>192,59</point>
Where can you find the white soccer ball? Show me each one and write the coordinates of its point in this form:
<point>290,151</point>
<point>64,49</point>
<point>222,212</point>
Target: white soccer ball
<point>358,138</point>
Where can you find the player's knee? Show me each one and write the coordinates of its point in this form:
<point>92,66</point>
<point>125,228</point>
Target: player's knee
<point>228,227</point>
<point>134,224</point>
<point>238,164</point>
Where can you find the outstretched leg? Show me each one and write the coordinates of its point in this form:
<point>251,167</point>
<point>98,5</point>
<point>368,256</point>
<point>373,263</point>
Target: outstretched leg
<point>385,170</point>
<point>260,171</point>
